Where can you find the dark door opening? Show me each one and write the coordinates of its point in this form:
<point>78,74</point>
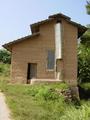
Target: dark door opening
<point>31,71</point>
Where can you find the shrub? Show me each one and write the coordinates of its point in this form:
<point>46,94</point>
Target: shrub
<point>46,91</point>
<point>85,86</point>
<point>48,94</point>
<point>5,56</point>
<point>84,90</point>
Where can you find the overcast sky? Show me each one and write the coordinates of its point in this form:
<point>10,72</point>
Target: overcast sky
<point>17,15</point>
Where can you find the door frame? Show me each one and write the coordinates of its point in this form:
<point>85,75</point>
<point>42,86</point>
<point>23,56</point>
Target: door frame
<point>29,72</point>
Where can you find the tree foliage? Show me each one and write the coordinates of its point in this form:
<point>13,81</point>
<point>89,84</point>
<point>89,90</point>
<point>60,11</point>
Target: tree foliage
<point>85,39</point>
<point>5,56</point>
<point>88,7</point>
<point>84,54</point>
<point>83,64</point>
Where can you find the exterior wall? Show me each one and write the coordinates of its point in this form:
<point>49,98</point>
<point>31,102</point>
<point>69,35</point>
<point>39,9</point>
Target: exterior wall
<point>69,37</point>
<point>33,51</point>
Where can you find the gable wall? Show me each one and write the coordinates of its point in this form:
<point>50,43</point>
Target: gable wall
<point>33,51</point>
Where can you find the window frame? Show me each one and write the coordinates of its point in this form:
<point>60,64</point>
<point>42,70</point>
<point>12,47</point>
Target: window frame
<point>47,68</point>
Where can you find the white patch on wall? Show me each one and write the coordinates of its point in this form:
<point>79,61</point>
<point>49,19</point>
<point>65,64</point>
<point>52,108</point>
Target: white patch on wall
<point>58,41</point>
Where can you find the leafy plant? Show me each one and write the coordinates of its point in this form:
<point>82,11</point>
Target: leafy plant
<point>5,56</point>
<point>83,64</point>
<point>88,7</point>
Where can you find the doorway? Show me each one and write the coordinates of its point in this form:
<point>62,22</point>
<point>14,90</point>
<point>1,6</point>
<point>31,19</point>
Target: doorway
<point>31,71</point>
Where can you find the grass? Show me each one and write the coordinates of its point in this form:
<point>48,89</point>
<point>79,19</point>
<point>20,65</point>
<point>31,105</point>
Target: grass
<point>4,72</point>
<point>40,102</point>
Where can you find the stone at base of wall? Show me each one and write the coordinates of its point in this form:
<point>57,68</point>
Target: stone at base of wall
<point>75,92</point>
<point>39,81</point>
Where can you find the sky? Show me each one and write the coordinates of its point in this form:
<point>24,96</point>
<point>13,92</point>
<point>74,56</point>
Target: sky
<point>17,15</point>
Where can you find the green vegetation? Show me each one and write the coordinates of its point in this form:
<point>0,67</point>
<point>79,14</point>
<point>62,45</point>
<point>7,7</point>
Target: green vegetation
<point>35,103</point>
<point>84,68</point>
<point>88,7</point>
<point>4,73</point>
<point>40,102</point>
<point>83,64</point>
<point>86,86</point>
<point>85,39</point>
<point>5,56</point>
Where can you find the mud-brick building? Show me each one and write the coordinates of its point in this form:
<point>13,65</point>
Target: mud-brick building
<point>49,53</point>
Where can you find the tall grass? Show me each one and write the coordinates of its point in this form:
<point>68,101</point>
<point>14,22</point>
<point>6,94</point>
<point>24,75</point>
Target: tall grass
<point>36,103</point>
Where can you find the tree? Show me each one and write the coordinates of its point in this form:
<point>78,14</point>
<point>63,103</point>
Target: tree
<point>88,7</point>
<point>83,64</point>
<point>84,54</point>
<point>5,56</point>
<point>85,39</point>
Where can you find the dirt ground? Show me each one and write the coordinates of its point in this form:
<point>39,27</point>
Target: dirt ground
<point>4,110</point>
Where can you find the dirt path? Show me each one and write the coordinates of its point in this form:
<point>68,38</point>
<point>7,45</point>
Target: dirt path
<point>4,111</point>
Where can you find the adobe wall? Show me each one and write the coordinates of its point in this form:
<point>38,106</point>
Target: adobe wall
<point>33,50</point>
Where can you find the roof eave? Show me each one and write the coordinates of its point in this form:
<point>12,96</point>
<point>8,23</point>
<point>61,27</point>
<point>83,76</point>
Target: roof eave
<point>81,30</point>
<point>8,46</point>
<point>33,26</point>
